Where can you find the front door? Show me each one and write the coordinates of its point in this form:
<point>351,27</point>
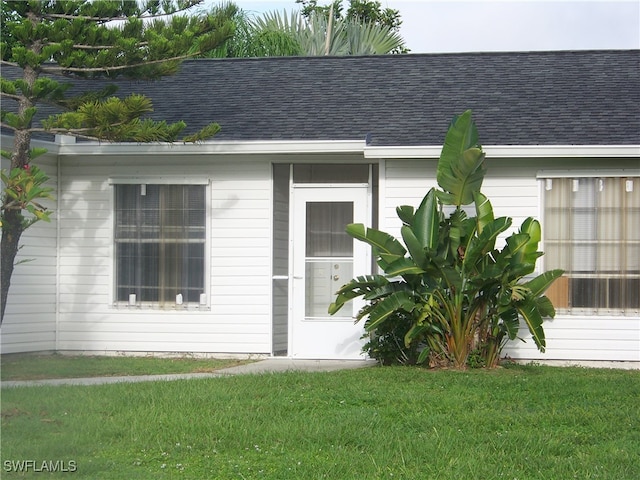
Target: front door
<point>324,259</point>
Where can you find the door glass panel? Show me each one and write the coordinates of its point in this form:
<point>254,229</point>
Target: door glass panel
<point>323,279</point>
<point>326,235</point>
<point>329,255</point>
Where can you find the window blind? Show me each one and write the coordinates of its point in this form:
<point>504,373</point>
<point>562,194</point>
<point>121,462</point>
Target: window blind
<point>160,238</point>
<point>592,231</point>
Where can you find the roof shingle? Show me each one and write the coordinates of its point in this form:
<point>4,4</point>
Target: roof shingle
<point>527,98</point>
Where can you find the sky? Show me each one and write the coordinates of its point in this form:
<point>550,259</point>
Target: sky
<point>431,26</point>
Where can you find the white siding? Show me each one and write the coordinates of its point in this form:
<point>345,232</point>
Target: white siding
<point>573,337</point>
<point>512,188</point>
<point>238,320</point>
<point>30,320</point>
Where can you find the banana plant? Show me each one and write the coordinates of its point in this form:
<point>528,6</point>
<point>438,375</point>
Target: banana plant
<point>446,278</point>
<point>23,189</point>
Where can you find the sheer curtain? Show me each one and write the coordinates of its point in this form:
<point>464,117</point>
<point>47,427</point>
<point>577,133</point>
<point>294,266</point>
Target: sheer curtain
<point>592,231</point>
<point>329,254</point>
<point>159,243</point>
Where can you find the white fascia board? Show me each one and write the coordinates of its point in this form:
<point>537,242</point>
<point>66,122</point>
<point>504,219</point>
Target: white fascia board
<point>212,147</point>
<point>7,143</point>
<point>513,151</point>
<point>403,152</point>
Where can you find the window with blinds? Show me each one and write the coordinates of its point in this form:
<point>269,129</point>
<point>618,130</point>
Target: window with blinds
<point>592,231</point>
<point>160,237</point>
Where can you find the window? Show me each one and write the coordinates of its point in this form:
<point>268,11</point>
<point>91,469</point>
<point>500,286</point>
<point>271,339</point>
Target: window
<point>160,233</point>
<point>592,231</point>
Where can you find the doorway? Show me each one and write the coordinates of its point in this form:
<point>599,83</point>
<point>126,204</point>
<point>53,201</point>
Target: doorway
<point>324,258</point>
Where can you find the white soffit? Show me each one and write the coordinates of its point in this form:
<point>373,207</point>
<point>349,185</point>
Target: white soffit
<point>513,151</point>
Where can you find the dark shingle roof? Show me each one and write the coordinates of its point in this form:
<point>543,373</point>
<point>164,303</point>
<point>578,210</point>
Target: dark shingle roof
<point>551,98</point>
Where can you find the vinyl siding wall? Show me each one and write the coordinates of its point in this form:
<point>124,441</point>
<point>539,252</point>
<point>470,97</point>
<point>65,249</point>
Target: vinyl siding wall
<point>30,318</point>
<point>239,267</point>
<point>514,191</point>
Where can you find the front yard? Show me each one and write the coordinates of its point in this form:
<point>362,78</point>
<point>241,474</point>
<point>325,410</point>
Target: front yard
<point>519,422</point>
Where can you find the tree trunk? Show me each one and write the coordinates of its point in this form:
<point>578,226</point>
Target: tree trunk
<point>12,219</point>
<point>11,232</point>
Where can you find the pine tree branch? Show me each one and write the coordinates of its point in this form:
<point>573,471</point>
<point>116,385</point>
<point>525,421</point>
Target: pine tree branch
<point>58,16</point>
<point>11,96</point>
<point>72,132</point>
<point>97,47</point>
<point>9,64</point>
<point>76,132</point>
<point>63,70</point>
<point>63,16</point>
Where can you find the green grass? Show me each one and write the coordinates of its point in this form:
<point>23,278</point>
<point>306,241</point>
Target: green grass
<point>37,367</point>
<point>520,422</point>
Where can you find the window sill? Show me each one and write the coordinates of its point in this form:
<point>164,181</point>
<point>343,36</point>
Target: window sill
<point>149,307</point>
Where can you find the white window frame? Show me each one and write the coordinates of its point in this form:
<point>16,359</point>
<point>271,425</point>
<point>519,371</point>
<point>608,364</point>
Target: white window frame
<point>544,175</point>
<point>205,304</point>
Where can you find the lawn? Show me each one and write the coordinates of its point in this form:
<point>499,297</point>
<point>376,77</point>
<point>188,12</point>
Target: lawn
<point>36,367</point>
<point>519,422</point>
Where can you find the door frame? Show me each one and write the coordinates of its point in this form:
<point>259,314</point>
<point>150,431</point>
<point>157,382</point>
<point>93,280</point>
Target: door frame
<point>300,194</point>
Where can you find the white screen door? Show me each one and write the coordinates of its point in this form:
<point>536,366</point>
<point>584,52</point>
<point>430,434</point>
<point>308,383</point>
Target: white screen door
<point>324,259</point>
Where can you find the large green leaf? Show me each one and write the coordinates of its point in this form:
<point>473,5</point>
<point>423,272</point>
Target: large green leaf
<point>426,220</point>
<point>538,285</point>
<point>510,322</point>
<point>484,211</point>
<point>397,301</point>
<point>531,315</point>
<point>405,213</point>
<point>460,169</point>
<point>459,227</point>
<point>381,241</point>
<point>485,242</point>
<point>415,247</point>
<point>359,286</point>
<point>386,290</point>
<point>386,259</point>
<point>528,253</point>
<point>522,254</point>
<point>403,266</point>
<point>545,307</point>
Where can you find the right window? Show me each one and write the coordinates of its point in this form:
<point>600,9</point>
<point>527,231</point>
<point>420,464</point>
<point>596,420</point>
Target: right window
<point>592,231</point>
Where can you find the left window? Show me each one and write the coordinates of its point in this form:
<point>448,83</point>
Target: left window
<point>160,236</point>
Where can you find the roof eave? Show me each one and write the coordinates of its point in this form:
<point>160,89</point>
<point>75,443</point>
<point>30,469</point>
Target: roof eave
<point>511,151</point>
<point>214,148</point>
<point>66,146</point>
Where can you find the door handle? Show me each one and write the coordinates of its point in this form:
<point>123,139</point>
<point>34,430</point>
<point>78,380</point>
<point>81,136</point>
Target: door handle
<point>336,277</point>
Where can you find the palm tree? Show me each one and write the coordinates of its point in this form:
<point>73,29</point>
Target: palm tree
<point>282,34</point>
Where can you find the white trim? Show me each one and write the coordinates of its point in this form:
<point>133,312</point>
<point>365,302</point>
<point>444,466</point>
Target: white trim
<point>208,148</point>
<point>593,173</point>
<point>382,193</point>
<point>515,151</point>
<point>158,180</point>
<point>59,195</point>
<point>112,248</point>
<point>330,185</point>
<point>331,146</point>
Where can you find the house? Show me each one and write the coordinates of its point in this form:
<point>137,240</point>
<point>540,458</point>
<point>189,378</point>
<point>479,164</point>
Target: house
<point>236,245</point>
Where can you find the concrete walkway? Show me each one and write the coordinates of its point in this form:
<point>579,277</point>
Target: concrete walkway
<point>270,365</point>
